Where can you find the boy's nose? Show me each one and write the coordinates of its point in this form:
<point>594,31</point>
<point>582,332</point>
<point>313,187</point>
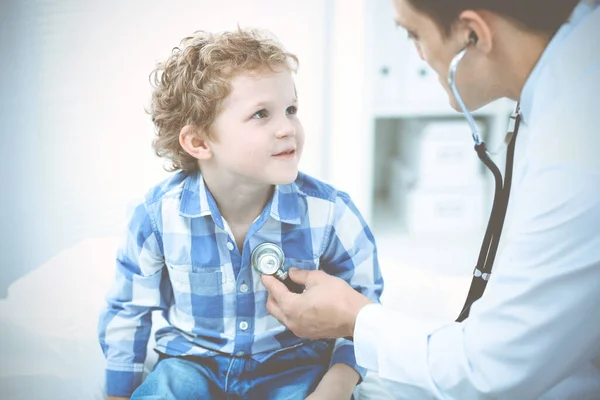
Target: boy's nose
<point>286,128</point>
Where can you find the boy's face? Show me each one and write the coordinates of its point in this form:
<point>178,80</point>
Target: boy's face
<point>257,134</point>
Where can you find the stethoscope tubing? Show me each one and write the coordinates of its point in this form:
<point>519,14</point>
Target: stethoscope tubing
<point>491,239</point>
<point>452,83</point>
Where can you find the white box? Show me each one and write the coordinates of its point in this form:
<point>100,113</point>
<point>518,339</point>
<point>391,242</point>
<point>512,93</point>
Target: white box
<point>446,155</point>
<point>444,210</point>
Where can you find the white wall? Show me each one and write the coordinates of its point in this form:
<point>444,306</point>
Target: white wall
<point>351,143</point>
<point>75,140</point>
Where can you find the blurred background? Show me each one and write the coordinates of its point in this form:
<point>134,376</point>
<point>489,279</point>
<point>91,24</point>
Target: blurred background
<point>75,139</point>
<point>76,142</point>
<point>75,155</point>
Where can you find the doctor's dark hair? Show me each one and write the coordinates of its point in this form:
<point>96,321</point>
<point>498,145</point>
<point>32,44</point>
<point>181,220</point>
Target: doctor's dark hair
<point>541,16</point>
<point>190,86</point>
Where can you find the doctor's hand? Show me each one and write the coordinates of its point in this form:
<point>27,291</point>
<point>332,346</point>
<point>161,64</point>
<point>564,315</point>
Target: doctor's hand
<point>327,308</point>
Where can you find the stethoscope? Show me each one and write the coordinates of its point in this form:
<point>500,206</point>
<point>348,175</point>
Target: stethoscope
<point>489,246</point>
<point>267,259</point>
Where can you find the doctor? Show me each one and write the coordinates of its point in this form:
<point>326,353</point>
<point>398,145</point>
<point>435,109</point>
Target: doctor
<point>535,332</point>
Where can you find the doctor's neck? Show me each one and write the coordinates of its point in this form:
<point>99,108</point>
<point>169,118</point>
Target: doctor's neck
<point>517,52</point>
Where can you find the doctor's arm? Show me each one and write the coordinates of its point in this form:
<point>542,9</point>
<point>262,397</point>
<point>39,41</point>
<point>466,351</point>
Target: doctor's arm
<point>537,322</point>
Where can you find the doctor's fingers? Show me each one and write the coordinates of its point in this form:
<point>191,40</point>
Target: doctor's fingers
<point>304,277</point>
<point>289,316</point>
<point>275,310</point>
<point>276,288</point>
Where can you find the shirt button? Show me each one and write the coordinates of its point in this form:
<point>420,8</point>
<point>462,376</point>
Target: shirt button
<point>243,325</point>
<point>230,246</point>
<point>243,288</point>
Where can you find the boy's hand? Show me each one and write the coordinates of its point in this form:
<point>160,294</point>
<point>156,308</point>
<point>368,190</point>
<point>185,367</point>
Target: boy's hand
<point>337,384</point>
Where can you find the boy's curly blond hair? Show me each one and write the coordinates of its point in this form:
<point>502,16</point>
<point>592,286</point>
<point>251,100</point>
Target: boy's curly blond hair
<point>191,84</point>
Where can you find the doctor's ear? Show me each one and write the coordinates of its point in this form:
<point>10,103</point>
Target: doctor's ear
<point>476,29</point>
<point>194,143</point>
<point>473,37</point>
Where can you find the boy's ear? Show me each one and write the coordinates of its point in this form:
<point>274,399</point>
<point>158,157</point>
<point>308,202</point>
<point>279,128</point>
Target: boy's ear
<point>191,141</point>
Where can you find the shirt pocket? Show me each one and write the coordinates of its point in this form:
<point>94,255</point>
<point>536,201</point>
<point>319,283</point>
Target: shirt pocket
<point>300,264</point>
<point>187,280</point>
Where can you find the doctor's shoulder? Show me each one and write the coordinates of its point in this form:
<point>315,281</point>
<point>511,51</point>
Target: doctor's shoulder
<point>569,132</point>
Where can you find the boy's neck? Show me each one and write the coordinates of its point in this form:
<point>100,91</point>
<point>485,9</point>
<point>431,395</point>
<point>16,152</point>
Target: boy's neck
<point>239,203</point>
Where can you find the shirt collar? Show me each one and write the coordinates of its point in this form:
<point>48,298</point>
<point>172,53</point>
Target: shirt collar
<point>285,205</point>
<point>197,201</point>
<point>531,84</point>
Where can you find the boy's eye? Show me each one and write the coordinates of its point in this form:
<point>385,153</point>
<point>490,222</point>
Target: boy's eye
<point>260,114</point>
<point>291,110</point>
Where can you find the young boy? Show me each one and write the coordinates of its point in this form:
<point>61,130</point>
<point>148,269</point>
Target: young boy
<point>225,110</point>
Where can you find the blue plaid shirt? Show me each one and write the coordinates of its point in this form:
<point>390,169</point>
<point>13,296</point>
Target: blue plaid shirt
<point>180,257</point>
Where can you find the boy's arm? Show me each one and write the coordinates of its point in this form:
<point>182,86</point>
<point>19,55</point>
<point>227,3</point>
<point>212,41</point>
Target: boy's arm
<point>350,254</point>
<point>125,323</point>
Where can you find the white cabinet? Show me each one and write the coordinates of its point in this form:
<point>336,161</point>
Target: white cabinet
<point>378,92</point>
<point>435,182</point>
<point>446,188</point>
<point>408,158</point>
<point>402,82</point>
<point>441,152</point>
<point>444,209</point>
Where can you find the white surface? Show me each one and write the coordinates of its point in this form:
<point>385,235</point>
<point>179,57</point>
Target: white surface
<point>49,342</point>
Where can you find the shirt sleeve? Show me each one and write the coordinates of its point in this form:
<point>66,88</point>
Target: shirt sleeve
<point>140,287</point>
<point>537,322</point>
<point>351,254</point>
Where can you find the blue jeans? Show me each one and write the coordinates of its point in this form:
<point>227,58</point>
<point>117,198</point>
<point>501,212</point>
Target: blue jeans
<point>287,375</point>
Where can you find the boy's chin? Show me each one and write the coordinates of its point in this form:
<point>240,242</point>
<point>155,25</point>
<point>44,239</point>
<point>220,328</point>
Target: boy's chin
<point>285,179</point>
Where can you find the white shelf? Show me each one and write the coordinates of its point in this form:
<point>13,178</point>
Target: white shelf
<point>380,89</point>
<point>410,110</point>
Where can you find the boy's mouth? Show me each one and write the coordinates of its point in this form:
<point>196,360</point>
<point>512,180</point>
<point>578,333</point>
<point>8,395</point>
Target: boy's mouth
<point>285,153</point>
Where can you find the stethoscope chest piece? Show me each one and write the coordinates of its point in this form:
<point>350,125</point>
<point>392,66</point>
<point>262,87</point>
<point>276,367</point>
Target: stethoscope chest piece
<point>267,259</point>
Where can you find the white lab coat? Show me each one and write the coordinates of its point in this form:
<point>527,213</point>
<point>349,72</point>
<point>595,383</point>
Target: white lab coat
<point>535,333</point>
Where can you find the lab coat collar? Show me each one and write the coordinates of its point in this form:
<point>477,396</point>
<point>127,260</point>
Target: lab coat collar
<point>582,10</point>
